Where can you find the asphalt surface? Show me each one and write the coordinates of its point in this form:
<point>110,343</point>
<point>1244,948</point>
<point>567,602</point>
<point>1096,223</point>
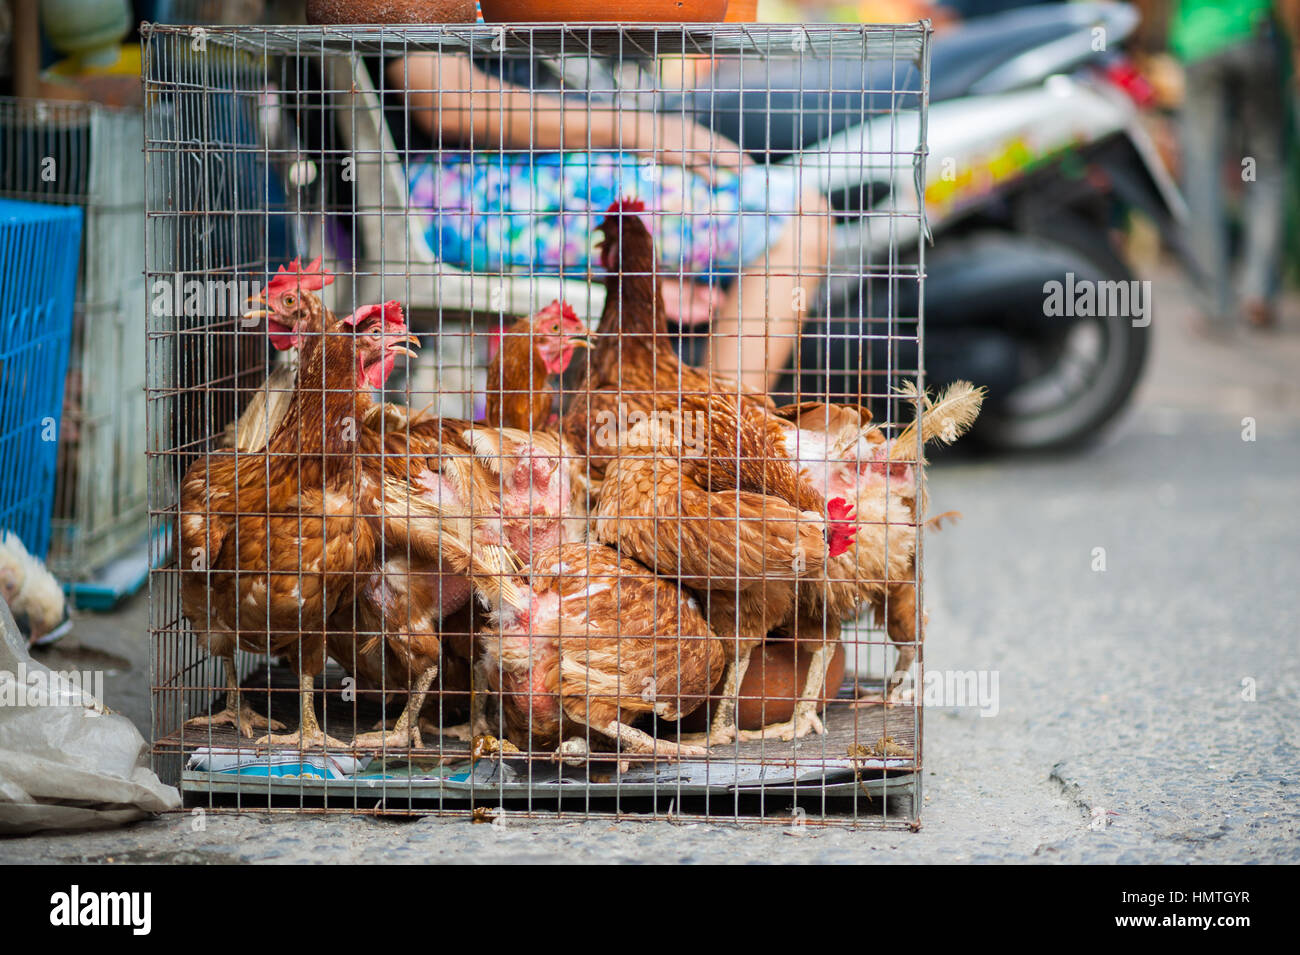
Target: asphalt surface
<point>1147,712</point>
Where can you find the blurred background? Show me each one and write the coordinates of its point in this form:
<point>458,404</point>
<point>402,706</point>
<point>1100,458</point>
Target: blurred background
<point>1149,144</point>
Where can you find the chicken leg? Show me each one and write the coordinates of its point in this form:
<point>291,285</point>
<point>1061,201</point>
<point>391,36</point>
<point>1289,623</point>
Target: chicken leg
<point>238,712</point>
<point>722,728</point>
<point>805,720</point>
<point>308,734</point>
<point>632,740</point>
<point>900,618</point>
<point>478,721</point>
<point>406,732</point>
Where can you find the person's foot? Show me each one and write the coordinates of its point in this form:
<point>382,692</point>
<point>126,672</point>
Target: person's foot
<point>1210,328</point>
<point>1260,314</point>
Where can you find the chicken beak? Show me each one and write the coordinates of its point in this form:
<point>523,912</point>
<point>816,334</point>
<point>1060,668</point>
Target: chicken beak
<point>582,342</point>
<point>258,312</point>
<point>400,345</point>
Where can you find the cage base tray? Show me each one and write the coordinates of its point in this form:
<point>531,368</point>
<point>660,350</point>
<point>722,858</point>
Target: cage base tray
<point>850,760</point>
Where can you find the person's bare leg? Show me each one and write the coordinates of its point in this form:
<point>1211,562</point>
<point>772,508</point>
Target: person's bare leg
<point>759,320</point>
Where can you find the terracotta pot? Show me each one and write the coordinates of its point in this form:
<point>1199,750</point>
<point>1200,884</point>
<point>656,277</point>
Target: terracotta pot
<point>585,11</point>
<point>742,11</point>
<point>391,11</point>
<point>773,679</point>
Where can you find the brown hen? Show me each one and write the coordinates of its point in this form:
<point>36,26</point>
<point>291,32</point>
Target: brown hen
<point>481,497</point>
<point>733,520</point>
<point>271,542</point>
<point>593,642</point>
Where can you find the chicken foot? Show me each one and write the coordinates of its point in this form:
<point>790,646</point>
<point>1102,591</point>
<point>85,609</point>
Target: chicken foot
<point>894,692</point>
<point>308,735</point>
<point>478,721</point>
<point>902,620</point>
<point>406,731</point>
<point>238,712</point>
<point>805,719</point>
<point>632,740</point>
<point>722,728</point>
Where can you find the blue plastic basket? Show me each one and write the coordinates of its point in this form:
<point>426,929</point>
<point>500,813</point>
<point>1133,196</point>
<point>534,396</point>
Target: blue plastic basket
<point>39,248</point>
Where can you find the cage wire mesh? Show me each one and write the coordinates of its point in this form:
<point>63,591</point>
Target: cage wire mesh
<point>627,507</point>
<point>83,154</point>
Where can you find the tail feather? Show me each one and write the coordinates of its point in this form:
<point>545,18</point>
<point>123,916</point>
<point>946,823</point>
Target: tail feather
<point>448,535</point>
<point>944,420</point>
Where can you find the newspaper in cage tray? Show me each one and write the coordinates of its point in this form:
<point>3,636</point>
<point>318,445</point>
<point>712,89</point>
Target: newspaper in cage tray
<point>283,763</point>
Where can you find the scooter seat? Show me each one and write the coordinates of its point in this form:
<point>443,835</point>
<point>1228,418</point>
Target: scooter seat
<point>961,57</point>
<point>774,108</point>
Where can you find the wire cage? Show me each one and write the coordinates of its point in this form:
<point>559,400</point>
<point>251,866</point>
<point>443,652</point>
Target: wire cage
<point>85,155</point>
<point>38,258</point>
<point>653,482</point>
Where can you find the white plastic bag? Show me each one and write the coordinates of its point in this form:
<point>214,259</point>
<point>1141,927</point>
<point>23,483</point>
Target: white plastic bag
<point>65,762</point>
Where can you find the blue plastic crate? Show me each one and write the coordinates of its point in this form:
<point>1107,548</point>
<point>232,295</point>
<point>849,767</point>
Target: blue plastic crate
<point>39,249</point>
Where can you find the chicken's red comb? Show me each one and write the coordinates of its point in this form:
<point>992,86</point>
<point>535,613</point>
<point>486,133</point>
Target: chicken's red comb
<point>391,310</point>
<point>313,278</point>
<point>564,308</point>
<point>842,529</point>
<point>629,204</point>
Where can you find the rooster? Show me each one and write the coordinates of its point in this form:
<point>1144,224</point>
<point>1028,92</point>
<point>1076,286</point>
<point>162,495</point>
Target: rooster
<point>592,641</point>
<point>271,542</point>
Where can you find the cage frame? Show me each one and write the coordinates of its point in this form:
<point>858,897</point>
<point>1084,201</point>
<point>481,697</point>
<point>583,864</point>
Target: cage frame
<point>340,42</point>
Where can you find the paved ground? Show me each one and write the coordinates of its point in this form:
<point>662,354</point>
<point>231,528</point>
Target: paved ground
<point>1161,695</point>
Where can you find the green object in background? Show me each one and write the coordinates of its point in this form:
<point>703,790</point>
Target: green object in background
<point>1200,28</point>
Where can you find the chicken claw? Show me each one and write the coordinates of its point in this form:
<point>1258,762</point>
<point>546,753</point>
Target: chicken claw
<point>406,731</point>
<point>723,727</point>
<point>641,743</point>
<point>316,740</point>
<point>309,734</point>
<point>238,712</point>
<point>485,745</point>
<point>804,721</point>
<point>573,751</point>
<point>717,736</point>
<point>461,731</point>
<point>245,718</point>
<point>397,738</point>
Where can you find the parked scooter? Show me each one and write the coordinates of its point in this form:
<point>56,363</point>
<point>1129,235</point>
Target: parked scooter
<point>1035,156</point>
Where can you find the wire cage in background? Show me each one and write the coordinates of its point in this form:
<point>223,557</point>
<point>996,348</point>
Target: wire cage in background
<point>627,507</point>
<point>38,258</point>
<point>87,155</point>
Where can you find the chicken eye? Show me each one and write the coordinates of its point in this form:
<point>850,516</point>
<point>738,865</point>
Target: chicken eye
<point>288,300</point>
